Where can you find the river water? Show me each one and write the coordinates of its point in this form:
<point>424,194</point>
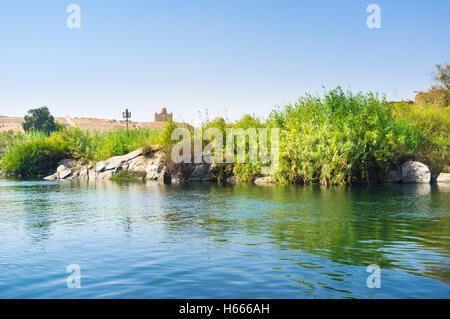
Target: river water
<point>136,240</point>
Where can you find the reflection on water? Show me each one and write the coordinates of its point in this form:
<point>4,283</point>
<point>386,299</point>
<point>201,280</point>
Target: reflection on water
<point>137,240</point>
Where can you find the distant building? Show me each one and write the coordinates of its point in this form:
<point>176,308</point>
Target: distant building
<point>163,116</point>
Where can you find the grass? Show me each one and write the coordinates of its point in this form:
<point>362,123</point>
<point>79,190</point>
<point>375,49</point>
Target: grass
<point>128,176</point>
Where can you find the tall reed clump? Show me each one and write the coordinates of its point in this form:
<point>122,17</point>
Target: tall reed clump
<point>341,138</point>
<point>97,146</point>
<point>434,125</point>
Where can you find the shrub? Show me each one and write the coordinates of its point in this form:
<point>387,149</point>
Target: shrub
<point>34,155</point>
<point>340,138</point>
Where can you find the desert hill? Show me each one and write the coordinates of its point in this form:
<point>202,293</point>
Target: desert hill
<point>15,123</point>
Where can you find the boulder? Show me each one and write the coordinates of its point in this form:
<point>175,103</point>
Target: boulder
<point>64,173</point>
<point>415,172</point>
<point>84,173</point>
<point>104,175</point>
<point>154,168</point>
<point>132,155</point>
<point>443,178</point>
<point>52,177</point>
<point>266,180</point>
<point>92,175</point>
<point>114,162</point>
<point>100,166</point>
<point>137,164</point>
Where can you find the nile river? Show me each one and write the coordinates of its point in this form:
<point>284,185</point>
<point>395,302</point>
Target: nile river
<point>208,241</point>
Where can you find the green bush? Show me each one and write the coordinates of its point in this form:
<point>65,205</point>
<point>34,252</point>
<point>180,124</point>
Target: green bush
<point>34,155</point>
<point>340,138</point>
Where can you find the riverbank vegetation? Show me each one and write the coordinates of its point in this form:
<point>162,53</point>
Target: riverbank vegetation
<point>34,153</point>
<point>338,138</point>
<point>342,138</point>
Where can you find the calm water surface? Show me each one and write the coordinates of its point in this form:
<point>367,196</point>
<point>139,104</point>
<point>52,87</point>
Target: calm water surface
<point>209,241</point>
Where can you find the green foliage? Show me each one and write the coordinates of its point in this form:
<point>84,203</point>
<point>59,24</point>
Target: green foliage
<point>248,171</point>
<point>40,120</point>
<point>220,172</point>
<point>35,152</point>
<point>96,146</point>
<point>128,176</point>
<point>166,136</point>
<point>433,141</point>
<point>340,138</point>
<point>6,139</point>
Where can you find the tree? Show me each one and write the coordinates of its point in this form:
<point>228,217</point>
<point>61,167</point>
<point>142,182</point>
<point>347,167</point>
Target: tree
<point>39,119</point>
<point>442,75</point>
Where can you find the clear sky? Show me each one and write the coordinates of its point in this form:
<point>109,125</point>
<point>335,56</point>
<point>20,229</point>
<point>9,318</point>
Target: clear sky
<point>231,57</point>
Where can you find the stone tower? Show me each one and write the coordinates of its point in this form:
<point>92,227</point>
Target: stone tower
<point>163,116</point>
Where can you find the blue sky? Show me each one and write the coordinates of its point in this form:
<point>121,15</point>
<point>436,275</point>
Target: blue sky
<point>231,57</point>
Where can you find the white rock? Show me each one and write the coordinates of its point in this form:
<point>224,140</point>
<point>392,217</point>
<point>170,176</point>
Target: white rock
<point>84,173</point>
<point>92,174</point>
<point>64,174</point>
<point>104,175</point>
<point>415,172</point>
<point>134,154</point>
<point>100,166</point>
<point>138,164</point>
<point>52,177</point>
<point>443,178</point>
<point>154,168</point>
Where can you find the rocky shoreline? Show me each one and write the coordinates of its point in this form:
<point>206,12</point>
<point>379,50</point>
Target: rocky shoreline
<point>150,164</point>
